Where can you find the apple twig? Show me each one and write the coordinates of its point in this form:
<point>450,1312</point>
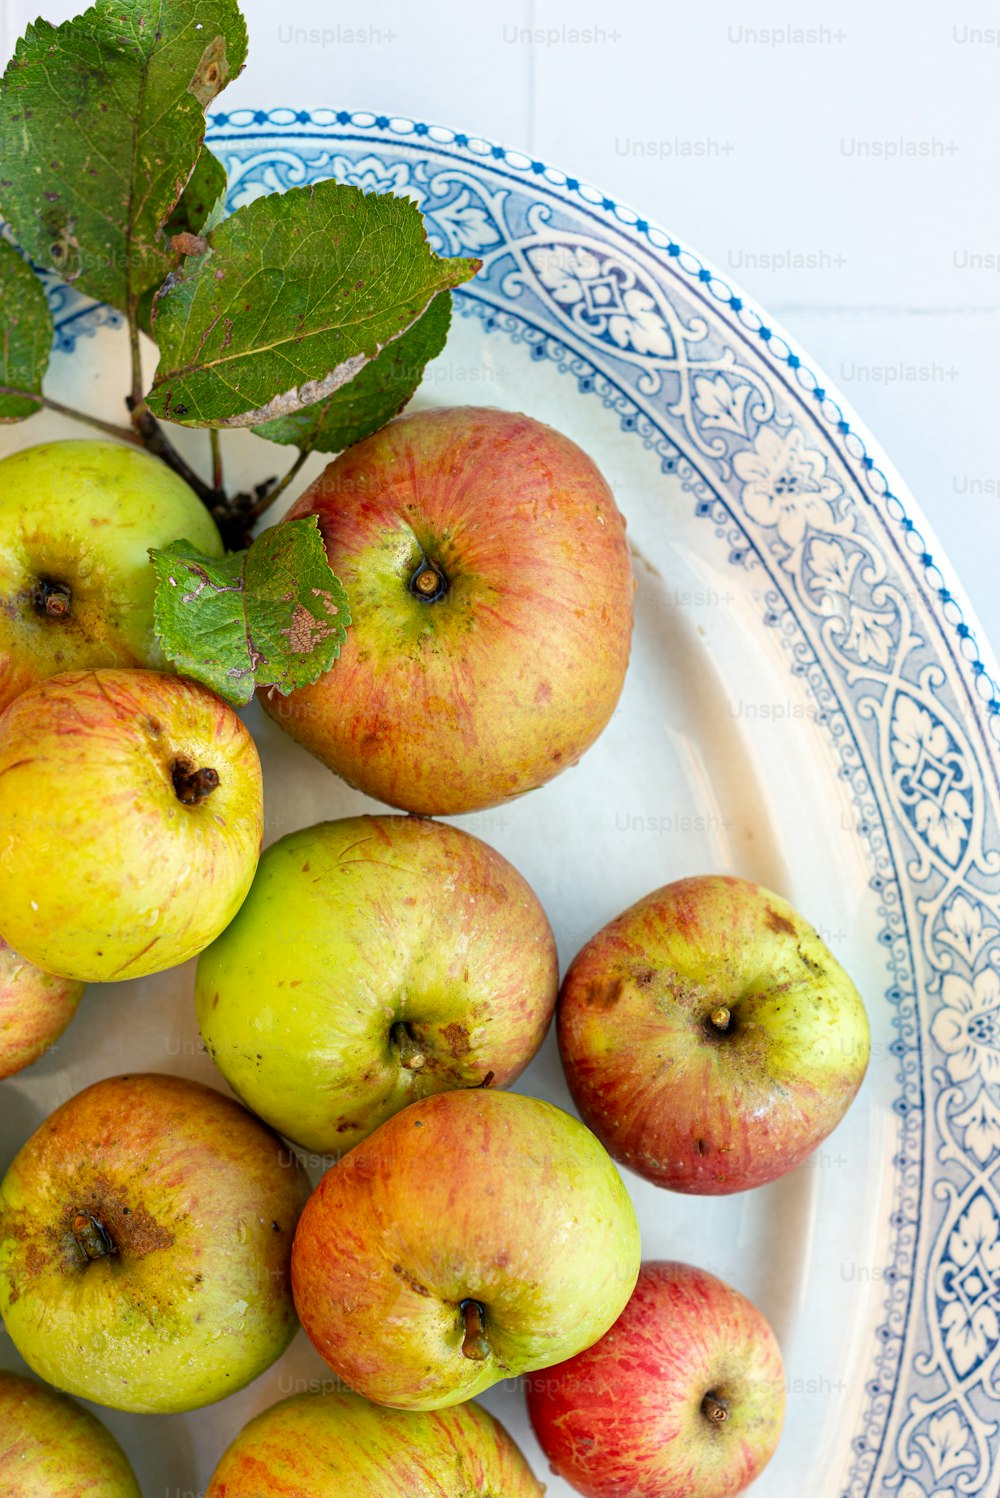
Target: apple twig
<point>268,498</point>
<point>216,447</point>
<point>122,433</point>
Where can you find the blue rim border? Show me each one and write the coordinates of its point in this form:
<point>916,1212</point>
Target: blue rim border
<point>985,677</point>
<point>873,475</point>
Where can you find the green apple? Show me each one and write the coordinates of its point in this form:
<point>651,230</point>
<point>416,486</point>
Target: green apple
<point>130,822</point>
<point>52,1448</point>
<point>709,1037</point>
<point>473,1237</point>
<point>76,586</point>
<point>685,1395</point>
<point>337,1445</point>
<point>145,1239</point>
<point>35,1009</point>
<point>376,960</point>
<point>491,598</point>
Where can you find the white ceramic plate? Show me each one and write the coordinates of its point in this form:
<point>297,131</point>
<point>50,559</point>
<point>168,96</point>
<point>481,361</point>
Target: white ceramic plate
<point>806,706</point>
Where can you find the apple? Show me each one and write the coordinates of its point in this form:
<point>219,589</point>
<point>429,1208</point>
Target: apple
<point>76,588</point>
<point>130,822</point>
<point>709,1037</point>
<point>337,1445</point>
<point>683,1398</point>
<point>376,960</point>
<point>491,599</point>
<point>35,1009</point>
<point>52,1448</point>
<point>145,1242</point>
<point>474,1236</point>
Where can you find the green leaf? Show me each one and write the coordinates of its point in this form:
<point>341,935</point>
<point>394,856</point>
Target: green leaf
<point>273,615</point>
<point>25,335</point>
<point>101,120</point>
<point>374,396</point>
<point>200,208</point>
<point>203,200</point>
<point>296,292</point>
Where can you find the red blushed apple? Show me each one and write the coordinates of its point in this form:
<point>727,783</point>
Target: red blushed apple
<point>35,1009</point>
<point>474,1236</point>
<point>709,1037</point>
<point>683,1398</point>
<point>491,599</point>
<point>337,1445</point>
<point>51,1447</point>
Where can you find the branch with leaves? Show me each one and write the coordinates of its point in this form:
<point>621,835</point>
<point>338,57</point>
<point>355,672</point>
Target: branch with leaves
<point>307,315</point>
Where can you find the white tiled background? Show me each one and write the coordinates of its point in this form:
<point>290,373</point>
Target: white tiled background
<point>750,130</point>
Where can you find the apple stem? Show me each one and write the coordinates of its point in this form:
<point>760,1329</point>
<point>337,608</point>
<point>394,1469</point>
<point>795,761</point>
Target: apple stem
<point>192,786</point>
<point>428,583</point>
<point>714,1409</point>
<point>410,1054</point>
<point>51,599</point>
<point>476,1344</point>
<point>91,1237</point>
<point>720,1018</point>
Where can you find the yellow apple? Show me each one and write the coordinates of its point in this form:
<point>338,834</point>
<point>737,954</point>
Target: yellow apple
<point>76,586</point>
<point>130,822</point>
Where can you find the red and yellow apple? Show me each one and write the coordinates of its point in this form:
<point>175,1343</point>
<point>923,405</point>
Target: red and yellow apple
<point>491,599</point>
<point>145,1242</point>
<point>683,1398</point>
<point>337,1445</point>
<point>130,822</point>
<point>35,1009</point>
<point>50,1447</point>
<point>709,1037</point>
<point>376,960</point>
<point>77,520</point>
<point>475,1236</point>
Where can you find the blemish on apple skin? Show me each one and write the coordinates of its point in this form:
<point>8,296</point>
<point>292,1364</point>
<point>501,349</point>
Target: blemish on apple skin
<point>604,995</point>
<point>778,922</point>
<point>458,1040</point>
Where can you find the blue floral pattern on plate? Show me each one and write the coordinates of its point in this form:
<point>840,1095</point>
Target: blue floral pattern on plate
<point>769,457</point>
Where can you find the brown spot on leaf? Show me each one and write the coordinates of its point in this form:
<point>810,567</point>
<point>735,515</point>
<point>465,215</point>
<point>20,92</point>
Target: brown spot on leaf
<point>304,632</point>
<point>189,244</point>
<point>212,73</point>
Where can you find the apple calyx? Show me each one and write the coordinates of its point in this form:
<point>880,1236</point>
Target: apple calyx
<point>92,1238</point>
<point>51,599</point>
<point>411,1053</point>
<point>714,1408</point>
<point>476,1344</point>
<point>428,582</point>
<point>191,785</point>
<point>720,1019</point>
